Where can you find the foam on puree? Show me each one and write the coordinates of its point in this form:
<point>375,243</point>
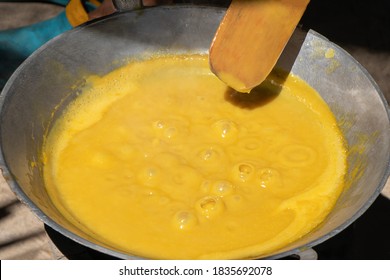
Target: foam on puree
<point>160,159</point>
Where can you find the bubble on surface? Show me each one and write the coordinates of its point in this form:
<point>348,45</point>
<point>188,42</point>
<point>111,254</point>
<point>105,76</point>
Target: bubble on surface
<point>210,206</point>
<point>170,128</point>
<point>226,129</point>
<point>171,132</point>
<point>149,175</point>
<point>222,188</point>
<point>159,124</point>
<point>185,220</point>
<point>269,178</point>
<point>208,154</point>
<point>243,171</point>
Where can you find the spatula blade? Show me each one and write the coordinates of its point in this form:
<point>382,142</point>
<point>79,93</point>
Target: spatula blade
<point>250,39</point>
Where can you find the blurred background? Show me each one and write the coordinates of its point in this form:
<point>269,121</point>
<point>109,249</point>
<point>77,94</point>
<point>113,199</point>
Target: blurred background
<point>362,28</point>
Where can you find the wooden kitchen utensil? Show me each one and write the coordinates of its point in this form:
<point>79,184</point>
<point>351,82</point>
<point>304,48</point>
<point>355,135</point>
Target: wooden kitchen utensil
<point>250,39</point>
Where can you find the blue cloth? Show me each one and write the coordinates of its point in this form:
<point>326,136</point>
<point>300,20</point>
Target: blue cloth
<point>19,43</point>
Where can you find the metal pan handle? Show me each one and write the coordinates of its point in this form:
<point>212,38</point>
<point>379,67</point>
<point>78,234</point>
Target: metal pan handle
<point>127,5</point>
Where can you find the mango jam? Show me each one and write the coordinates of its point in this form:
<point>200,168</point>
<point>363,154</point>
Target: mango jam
<point>160,159</point>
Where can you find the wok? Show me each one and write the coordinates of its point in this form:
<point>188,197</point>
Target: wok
<point>48,80</point>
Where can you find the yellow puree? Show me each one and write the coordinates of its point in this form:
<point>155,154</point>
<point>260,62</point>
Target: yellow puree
<point>160,159</point>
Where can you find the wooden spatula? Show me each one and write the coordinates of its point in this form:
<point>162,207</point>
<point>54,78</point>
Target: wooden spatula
<point>250,39</point>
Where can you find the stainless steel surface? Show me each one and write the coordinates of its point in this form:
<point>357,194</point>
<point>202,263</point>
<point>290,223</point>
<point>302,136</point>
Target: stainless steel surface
<point>42,86</point>
<point>127,5</point>
<point>362,113</point>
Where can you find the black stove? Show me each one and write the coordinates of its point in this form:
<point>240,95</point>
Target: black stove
<point>368,238</point>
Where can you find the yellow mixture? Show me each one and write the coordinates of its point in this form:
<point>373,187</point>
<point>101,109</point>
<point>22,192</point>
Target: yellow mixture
<point>160,159</point>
